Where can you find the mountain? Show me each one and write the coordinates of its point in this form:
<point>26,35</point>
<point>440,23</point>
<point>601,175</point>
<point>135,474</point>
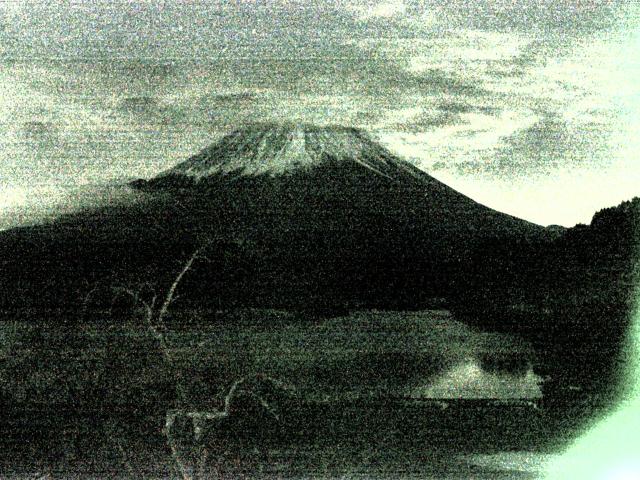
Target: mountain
<point>277,149</point>
<point>302,216</point>
<point>323,219</point>
<point>334,215</point>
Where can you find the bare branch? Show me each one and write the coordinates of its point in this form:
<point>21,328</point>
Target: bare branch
<point>172,290</point>
<point>135,295</point>
<point>265,404</point>
<point>204,456</point>
<point>183,470</point>
<point>149,316</point>
<point>86,299</point>
<point>232,392</point>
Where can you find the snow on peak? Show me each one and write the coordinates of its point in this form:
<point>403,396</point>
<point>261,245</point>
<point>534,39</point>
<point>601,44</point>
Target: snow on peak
<point>274,149</point>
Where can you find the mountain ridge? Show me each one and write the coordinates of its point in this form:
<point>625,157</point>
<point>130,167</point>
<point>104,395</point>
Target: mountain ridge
<point>279,156</point>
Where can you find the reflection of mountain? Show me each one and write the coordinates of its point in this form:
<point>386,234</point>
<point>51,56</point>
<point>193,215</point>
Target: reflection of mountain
<point>470,380</point>
<point>324,216</point>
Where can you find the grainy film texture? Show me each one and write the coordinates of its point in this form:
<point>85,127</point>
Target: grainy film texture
<point>319,239</point>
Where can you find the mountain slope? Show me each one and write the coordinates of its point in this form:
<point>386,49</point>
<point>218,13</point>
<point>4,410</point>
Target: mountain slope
<point>303,216</point>
<point>277,149</point>
<point>340,214</point>
<point>311,171</point>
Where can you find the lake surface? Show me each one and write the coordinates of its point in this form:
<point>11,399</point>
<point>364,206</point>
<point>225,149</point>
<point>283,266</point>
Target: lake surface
<point>361,380</point>
<point>474,439</point>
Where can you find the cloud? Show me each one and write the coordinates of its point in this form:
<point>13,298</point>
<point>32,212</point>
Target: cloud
<point>169,29</point>
<point>216,29</point>
<point>541,149</point>
<point>437,81</point>
<point>373,9</point>
<point>468,137</point>
<point>139,105</point>
<point>433,112</point>
<point>455,111</point>
<point>543,16</point>
<point>89,122</point>
<point>40,131</point>
<point>93,91</point>
<point>533,108</point>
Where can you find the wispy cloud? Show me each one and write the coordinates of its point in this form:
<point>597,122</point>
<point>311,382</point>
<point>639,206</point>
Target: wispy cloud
<point>479,93</point>
<point>378,9</point>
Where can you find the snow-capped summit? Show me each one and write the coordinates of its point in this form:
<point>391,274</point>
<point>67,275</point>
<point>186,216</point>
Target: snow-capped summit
<point>276,149</point>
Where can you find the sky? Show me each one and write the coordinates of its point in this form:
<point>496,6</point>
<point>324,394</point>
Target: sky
<point>528,106</point>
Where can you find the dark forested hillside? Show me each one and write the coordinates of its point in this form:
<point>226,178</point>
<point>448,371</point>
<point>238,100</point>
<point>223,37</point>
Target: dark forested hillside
<point>572,295</point>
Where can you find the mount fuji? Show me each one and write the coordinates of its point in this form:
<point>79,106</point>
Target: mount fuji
<point>333,214</point>
<point>317,215</point>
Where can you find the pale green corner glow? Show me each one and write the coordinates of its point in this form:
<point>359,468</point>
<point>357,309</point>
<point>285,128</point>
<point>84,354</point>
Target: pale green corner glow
<point>611,449</point>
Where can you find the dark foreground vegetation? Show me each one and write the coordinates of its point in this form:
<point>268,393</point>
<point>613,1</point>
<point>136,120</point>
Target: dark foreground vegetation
<point>394,438</point>
<point>573,297</point>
